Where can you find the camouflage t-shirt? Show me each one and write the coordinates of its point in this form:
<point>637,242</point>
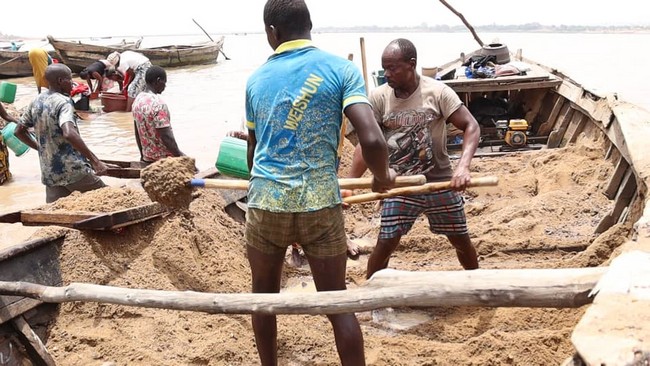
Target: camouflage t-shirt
<point>61,164</point>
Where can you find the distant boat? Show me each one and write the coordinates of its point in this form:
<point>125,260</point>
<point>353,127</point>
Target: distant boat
<point>11,45</point>
<point>77,55</point>
<point>16,63</point>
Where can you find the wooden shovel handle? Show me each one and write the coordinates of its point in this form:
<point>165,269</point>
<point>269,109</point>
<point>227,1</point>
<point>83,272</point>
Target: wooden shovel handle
<point>363,183</point>
<point>344,183</point>
<point>425,188</point>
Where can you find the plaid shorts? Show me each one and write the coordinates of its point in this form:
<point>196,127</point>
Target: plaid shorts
<point>320,233</point>
<point>444,209</point>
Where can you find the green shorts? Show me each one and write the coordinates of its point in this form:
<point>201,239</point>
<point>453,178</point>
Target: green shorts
<point>320,233</point>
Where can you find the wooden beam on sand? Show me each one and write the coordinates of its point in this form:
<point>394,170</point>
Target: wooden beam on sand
<point>554,288</point>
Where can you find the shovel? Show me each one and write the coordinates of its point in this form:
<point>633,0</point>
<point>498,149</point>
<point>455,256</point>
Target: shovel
<point>422,189</point>
<point>344,183</point>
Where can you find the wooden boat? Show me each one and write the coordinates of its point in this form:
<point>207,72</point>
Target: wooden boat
<point>16,63</point>
<point>558,111</point>
<point>78,55</point>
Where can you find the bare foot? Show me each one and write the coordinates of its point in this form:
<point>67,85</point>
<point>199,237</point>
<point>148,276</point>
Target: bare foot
<point>296,258</point>
<point>353,248</point>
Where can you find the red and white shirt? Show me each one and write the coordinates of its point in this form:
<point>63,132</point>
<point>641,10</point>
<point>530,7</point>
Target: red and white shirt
<point>151,113</point>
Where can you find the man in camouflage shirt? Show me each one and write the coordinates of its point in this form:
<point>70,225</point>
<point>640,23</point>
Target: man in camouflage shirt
<point>67,164</point>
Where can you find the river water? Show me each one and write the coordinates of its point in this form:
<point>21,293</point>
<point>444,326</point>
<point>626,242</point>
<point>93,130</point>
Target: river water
<point>208,101</point>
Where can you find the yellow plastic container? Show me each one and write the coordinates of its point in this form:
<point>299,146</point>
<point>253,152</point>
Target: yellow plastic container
<point>8,92</point>
<point>232,160</point>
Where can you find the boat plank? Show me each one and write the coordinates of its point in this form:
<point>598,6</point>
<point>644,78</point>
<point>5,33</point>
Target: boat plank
<point>547,126</point>
<point>575,128</point>
<point>33,345</point>
<point>612,331</point>
<point>555,137</point>
<point>40,217</point>
<point>537,96</point>
<point>35,261</point>
<point>118,219</point>
<point>623,198</point>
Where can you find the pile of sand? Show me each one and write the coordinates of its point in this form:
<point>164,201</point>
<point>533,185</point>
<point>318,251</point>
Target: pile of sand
<point>546,206</point>
<point>105,199</point>
<point>167,181</point>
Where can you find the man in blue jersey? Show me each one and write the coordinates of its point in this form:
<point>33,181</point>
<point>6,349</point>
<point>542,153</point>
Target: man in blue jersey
<point>294,105</point>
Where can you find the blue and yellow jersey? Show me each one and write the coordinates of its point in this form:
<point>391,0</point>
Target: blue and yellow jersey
<point>294,103</point>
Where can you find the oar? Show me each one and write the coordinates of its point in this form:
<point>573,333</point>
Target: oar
<point>207,34</point>
<point>425,188</point>
<point>344,183</point>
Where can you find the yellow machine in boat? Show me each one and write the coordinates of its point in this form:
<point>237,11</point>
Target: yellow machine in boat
<point>514,132</point>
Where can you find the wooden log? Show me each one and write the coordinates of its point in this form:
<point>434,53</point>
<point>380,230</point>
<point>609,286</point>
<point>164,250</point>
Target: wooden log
<point>344,183</point>
<point>425,188</point>
<point>554,288</point>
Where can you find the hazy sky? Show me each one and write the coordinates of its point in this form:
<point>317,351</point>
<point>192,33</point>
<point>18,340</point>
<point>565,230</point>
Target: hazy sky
<point>37,18</point>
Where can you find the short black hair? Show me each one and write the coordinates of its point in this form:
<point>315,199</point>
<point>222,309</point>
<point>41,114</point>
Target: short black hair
<point>408,49</point>
<point>153,73</point>
<point>289,16</point>
<point>83,74</point>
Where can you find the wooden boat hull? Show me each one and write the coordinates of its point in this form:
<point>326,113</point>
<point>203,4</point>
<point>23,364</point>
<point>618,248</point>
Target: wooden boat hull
<point>16,63</point>
<point>79,55</point>
<point>563,111</point>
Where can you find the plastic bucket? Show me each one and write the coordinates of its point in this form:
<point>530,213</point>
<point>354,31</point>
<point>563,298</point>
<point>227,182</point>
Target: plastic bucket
<point>232,160</point>
<point>8,92</point>
<point>17,146</point>
<point>112,102</point>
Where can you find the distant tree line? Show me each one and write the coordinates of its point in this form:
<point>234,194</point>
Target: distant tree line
<point>527,28</point>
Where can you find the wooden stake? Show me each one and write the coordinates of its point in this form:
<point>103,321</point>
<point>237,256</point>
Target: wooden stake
<point>364,68</point>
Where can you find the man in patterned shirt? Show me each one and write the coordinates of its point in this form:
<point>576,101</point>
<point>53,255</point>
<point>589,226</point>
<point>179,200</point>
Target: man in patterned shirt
<point>294,105</point>
<point>67,164</point>
<point>413,112</point>
<point>153,129</point>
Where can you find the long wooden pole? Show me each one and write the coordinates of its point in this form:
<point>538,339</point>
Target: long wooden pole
<point>344,183</point>
<point>537,288</point>
<point>207,34</point>
<point>425,188</point>
<point>462,18</point>
<point>364,68</point>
